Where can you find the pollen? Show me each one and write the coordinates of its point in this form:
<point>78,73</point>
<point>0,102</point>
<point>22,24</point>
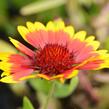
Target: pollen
<point>54,59</point>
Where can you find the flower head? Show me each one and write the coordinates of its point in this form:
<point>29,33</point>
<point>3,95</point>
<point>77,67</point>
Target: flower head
<point>58,53</point>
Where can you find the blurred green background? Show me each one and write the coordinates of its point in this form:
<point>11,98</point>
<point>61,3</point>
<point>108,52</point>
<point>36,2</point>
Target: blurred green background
<point>90,15</point>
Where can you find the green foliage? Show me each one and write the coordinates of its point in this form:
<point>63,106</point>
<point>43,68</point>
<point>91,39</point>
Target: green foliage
<point>47,15</point>
<point>106,43</point>
<point>64,90</point>
<point>3,11</point>
<point>3,6</point>
<point>61,90</point>
<point>27,104</point>
<point>94,9</point>
<point>20,3</point>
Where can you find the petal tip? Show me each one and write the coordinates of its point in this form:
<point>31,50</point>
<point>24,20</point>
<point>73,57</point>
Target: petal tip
<point>7,79</point>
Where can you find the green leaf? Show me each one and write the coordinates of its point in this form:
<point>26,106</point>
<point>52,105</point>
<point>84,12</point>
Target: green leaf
<point>61,90</point>
<point>64,90</point>
<point>27,104</point>
<point>41,85</point>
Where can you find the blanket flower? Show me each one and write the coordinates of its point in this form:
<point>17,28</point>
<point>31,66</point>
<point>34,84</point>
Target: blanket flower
<point>58,53</point>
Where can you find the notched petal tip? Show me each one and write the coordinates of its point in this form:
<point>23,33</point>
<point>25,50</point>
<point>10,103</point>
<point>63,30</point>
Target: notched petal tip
<point>96,45</point>
<point>90,39</point>
<point>30,26</point>
<point>50,26</point>
<point>80,35</point>
<point>70,30</point>
<point>39,26</point>
<point>59,24</point>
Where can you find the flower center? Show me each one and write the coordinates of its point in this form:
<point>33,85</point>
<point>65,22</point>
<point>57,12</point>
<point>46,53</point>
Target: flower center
<point>53,59</point>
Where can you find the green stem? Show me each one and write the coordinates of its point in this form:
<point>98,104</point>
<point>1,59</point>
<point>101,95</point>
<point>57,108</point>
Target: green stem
<point>49,95</point>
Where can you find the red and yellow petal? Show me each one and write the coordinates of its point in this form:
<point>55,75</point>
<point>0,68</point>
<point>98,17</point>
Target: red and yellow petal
<point>98,62</point>
<point>104,56</point>
<point>31,27</point>
<point>38,39</point>
<point>23,31</point>
<point>71,74</point>
<point>6,67</point>
<point>12,66</point>
<point>22,47</point>
<point>4,64</point>
<point>17,77</point>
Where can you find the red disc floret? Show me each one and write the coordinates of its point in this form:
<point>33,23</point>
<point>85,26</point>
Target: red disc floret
<point>54,59</point>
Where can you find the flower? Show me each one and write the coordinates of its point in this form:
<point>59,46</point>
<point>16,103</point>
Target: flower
<point>58,53</point>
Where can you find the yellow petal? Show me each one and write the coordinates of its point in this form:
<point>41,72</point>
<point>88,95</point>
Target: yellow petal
<point>102,51</point>
<point>62,80</point>
<point>105,64</point>
<point>5,66</point>
<point>8,79</point>
<point>23,31</point>
<point>55,25</point>
<point>57,76</point>
<point>43,76</point>
<point>5,73</point>
<point>80,35</point>
<point>72,74</point>
<point>31,26</point>
<point>69,30</point>
<point>4,56</point>
<point>28,77</point>
<point>14,42</point>
<point>95,44</point>
<point>90,39</point>
<point>50,26</point>
<point>39,26</point>
<point>59,24</point>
